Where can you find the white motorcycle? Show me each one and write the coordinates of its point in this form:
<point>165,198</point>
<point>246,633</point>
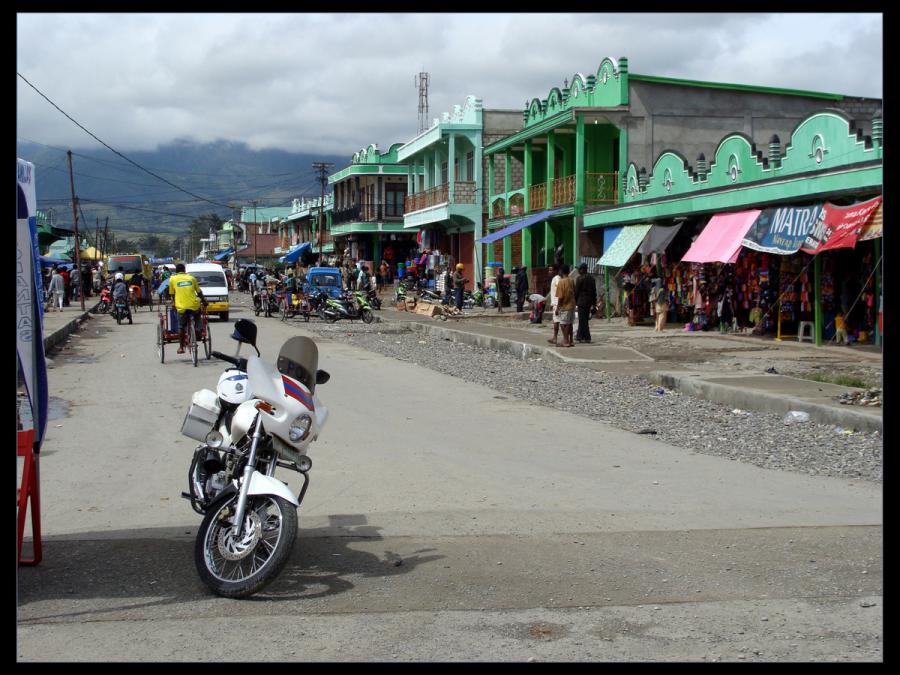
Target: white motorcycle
<point>261,417</point>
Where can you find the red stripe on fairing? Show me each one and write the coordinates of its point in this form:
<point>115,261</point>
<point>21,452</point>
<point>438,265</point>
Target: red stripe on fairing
<point>296,391</point>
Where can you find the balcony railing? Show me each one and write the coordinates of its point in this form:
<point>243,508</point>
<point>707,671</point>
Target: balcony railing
<point>537,197</point>
<point>601,188</point>
<point>464,193</point>
<point>563,191</point>
<point>368,213</point>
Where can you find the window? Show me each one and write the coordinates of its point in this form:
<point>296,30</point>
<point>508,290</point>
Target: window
<point>444,178</point>
<point>395,196</point>
<point>470,166</point>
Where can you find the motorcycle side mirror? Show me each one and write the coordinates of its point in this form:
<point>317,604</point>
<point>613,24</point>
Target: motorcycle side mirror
<point>244,331</point>
<point>322,377</point>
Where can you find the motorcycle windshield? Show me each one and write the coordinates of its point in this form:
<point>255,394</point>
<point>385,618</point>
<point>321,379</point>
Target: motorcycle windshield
<point>299,359</point>
<point>265,381</point>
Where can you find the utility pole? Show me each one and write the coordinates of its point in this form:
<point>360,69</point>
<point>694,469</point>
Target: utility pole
<point>322,168</point>
<point>106,238</point>
<point>77,242</point>
<point>255,233</point>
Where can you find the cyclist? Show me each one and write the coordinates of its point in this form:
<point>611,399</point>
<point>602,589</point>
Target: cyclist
<point>188,297</point>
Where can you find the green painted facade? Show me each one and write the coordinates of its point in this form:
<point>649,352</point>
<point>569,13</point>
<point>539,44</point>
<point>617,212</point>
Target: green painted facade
<point>825,155</point>
<point>572,157</point>
<point>444,191</point>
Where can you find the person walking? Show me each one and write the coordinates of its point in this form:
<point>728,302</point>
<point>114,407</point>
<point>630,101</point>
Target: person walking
<point>554,303</point>
<point>64,273</point>
<point>448,286</point>
<point>521,288</point>
<point>565,293</point>
<point>502,290</point>
<point>57,289</point>
<point>97,279</point>
<point>75,282</point>
<point>459,282</point>
<point>585,299</point>
<point>660,305</point>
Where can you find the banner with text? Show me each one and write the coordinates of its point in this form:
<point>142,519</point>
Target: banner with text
<point>783,230</point>
<point>839,226</point>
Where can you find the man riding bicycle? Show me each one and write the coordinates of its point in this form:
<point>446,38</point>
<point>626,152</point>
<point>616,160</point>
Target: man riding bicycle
<point>188,297</point>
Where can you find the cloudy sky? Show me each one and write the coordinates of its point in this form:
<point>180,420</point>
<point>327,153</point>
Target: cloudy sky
<point>326,83</point>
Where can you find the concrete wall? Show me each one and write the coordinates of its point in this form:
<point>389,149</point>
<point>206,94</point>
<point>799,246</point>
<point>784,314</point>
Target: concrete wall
<point>692,120</point>
<point>498,124</point>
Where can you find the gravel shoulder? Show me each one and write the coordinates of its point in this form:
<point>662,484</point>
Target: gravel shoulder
<point>631,403</point>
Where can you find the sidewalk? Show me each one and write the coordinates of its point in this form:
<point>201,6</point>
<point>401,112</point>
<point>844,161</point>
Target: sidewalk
<point>59,325</point>
<point>725,368</point>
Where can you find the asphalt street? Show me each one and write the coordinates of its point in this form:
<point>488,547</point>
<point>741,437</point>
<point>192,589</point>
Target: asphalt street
<point>443,522</point>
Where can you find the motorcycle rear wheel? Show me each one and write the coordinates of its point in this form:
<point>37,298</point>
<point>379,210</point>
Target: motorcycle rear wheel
<point>239,568</point>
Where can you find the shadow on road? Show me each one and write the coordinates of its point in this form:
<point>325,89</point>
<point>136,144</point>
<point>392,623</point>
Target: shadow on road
<point>156,567</point>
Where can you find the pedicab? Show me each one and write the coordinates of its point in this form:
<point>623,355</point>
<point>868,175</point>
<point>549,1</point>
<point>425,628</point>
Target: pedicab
<point>197,332</point>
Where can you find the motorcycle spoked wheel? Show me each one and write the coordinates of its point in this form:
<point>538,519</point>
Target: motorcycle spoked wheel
<point>238,568</point>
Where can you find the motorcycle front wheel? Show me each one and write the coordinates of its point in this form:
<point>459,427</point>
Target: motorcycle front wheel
<point>367,316</point>
<point>238,567</point>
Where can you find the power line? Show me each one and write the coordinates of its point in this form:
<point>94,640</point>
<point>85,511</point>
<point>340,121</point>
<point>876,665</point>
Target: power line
<point>168,182</point>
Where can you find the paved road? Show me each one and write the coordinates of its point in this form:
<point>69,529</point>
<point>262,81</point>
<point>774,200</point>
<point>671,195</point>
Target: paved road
<point>444,521</point>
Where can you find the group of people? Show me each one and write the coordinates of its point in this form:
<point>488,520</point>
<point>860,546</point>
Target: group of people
<point>568,296</point>
<point>64,283</point>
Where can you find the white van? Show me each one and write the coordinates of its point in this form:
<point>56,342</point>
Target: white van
<point>214,285</point>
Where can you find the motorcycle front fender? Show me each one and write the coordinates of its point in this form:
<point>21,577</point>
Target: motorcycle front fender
<point>260,484</point>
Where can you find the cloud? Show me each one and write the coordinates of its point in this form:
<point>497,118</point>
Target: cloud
<point>336,83</point>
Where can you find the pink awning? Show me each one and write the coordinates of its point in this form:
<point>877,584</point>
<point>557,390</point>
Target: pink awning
<point>721,239</point>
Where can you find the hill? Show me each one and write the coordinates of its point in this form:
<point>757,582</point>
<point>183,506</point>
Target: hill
<point>137,203</point>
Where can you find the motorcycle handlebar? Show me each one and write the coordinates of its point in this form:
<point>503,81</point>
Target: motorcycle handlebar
<point>238,362</point>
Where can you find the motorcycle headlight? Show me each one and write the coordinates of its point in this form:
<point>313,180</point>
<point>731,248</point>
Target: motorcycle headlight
<point>299,428</point>
<point>214,439</point>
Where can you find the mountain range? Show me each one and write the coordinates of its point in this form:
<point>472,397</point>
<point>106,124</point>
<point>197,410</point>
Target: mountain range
<point>223,173</point>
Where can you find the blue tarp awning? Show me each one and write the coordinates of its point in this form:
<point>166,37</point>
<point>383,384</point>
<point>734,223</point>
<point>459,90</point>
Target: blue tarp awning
<point>224,254</point>
<point>515,227</point>
<point>294,254</point>
<point>47,261</point>
<point>609,236</point>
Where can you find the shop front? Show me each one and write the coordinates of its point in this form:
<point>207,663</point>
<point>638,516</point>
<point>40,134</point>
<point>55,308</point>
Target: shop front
<point>788,246</point>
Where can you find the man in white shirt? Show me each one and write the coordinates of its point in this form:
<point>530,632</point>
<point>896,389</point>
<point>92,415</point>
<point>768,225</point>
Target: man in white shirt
<point>553,302</point>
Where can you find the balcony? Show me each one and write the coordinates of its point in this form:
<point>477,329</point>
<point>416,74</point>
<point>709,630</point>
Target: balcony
<point>600,188</point>
<point>369,213</point>
<point>464,193</point>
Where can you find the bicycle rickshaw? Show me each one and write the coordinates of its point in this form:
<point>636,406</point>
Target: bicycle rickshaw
<point>294,303</point>
<point>197,332</point>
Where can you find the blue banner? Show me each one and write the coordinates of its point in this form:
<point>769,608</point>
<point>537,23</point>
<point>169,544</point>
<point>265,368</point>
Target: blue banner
<point>29,298</point>
<point>783,230</point>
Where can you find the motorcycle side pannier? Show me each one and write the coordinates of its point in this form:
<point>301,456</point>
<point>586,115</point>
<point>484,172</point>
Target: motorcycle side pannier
<point>202,415</point>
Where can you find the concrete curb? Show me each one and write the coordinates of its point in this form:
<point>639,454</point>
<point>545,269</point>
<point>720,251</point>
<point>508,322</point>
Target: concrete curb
<point>60,334</point>
<point>738,397</point>
<point>521,350</point>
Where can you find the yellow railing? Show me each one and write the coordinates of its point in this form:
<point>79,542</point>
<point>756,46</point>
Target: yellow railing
<point>537,197</point>
<point>601,188</point>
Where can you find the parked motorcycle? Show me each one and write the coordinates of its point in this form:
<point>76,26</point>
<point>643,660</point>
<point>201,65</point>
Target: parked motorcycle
<point>260,417</point>
<point>265,302</point>
<point>105,300</point>
<point>373,299</point>
<point>353,307</point>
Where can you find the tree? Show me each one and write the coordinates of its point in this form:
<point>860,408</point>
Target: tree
<point>200,228</point>
<point>151,244</point>
<point>125,246</point>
